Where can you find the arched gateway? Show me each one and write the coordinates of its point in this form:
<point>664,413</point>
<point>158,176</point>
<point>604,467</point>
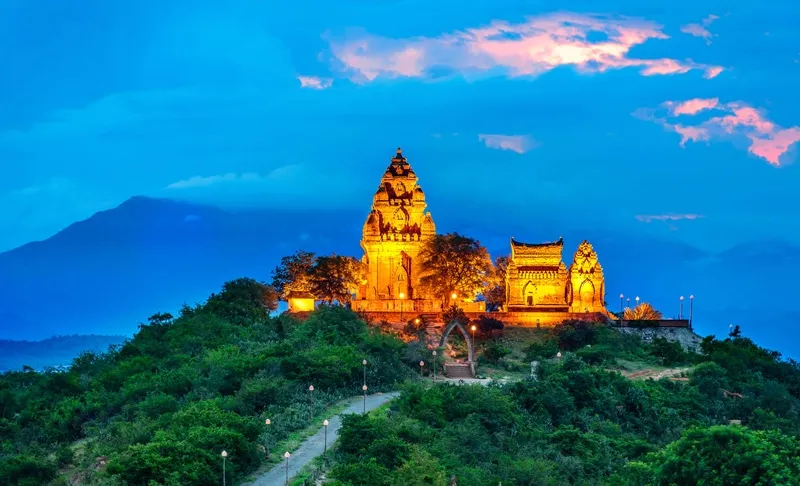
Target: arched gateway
<point>470,344</point>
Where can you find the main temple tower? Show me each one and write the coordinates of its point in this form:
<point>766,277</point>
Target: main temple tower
<point>395,231</point>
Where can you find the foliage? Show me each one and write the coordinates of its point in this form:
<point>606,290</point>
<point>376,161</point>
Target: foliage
<point>160,408</point>
<point>495,294</point>
<point>293,273</point>
<point>335,278</point>
<point>642,312</point>
<point>486,325</point>
<point>493,352</point>
<point>578,423</point>
<point>454,263</point>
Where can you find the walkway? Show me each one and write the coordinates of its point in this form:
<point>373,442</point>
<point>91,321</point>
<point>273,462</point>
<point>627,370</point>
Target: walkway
<point>315,445</point>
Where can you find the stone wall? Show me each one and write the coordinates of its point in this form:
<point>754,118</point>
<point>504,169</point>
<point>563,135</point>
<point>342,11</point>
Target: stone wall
<point>686,337</point>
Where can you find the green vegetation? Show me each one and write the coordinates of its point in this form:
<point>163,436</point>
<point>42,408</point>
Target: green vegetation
<point>160,408</point>
<point>579,422</point>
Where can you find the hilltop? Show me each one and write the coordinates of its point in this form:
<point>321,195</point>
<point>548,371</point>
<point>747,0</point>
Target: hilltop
<point>161,407</point>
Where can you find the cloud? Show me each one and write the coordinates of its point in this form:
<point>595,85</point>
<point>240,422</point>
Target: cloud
<point>700,30</point>
<point>734,120</point>
<point>314,82</point>
<point>516,143</point>
<point>649,218</point>
<point>590,43</point>
<point>196,182</point>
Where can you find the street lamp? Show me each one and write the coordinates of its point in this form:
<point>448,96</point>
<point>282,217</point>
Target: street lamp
<point>402,296</point>
<point>325,450</point>
<point>637,301</point>
<point>691,309</point>
<point>434,365</point>
<point>268,422</point>
<point>286,455</point>
<point>364,362</point>
<point>558,354</point>
<point>421,365</point>
<point>310,403</point>
<point>224,457</point>
<point>365,397</point>
<point>680,312</point>
<point>620,304</point>
<point>473,334</point>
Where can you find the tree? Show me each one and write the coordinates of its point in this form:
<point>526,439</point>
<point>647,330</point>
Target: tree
<point>454,263</point>
<point>495,295</point>
<point>736,332</point>
<point>642,312</point>
<point>293,273</point>
<point>335,278</point>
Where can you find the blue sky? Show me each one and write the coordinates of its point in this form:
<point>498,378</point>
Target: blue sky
<point>673,118</point>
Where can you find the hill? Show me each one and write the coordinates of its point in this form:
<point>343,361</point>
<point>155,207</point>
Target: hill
<point>105,274</point>
<point>160,408</point>
<point>58,351</point>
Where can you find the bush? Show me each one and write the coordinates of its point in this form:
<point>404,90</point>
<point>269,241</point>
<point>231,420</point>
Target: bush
<point>494,352</point>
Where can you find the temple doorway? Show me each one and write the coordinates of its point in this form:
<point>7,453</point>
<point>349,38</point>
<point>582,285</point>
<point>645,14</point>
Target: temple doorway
<point>529,294</point>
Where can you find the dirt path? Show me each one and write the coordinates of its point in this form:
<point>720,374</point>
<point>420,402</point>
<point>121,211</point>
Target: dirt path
<point>672,373</point>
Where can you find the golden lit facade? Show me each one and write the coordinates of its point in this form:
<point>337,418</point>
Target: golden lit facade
<point>393,235</point>
<point>538,280</point>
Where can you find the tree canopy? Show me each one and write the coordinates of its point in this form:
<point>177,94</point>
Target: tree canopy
<point>455,263</point>
<point>330,278</point>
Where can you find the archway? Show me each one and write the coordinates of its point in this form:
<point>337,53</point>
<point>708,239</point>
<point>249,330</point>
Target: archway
<point>586,294</point>
<point>529,294</point>
<point>470,345</point>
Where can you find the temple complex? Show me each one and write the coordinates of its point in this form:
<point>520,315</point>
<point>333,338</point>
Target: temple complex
<point>540,288</point>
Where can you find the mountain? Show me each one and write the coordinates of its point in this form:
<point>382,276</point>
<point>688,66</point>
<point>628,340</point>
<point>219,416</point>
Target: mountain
<point>110,272</point>
<point>51,352</point>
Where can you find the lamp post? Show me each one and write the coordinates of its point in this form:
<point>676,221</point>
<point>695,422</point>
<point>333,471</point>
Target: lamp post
<point>434,365</point>
<point>620,304</point>
<point>364,362</point>
<point>224,457</point>
<point>402,296</point>
<point>421,365</point>
<point>364,388</point>
<point>453,297</point>
<point>310,403</point>
<point>473,334</point>
<point>691,309</point>
<point>286,455</point>
<point>637,301</point>
<point>325,450</point>
<point>680,311</point>
<point>268,422</point>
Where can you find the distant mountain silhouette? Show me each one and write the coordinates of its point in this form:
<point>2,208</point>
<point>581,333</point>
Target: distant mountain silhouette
<point>52,352</point>
<point>110,272</point>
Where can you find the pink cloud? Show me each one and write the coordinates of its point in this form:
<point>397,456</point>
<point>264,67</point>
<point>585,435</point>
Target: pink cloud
<point>649,218</point>
<point>768,140</point>
<point>700,30</point>
<point>693,106</point>
<point>527,49</point>
<point>515,143</point>
<point>314,82</point>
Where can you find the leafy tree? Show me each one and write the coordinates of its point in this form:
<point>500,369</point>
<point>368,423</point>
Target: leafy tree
<point>293,273</point>
<point>736,332</point>
<point>495,294</point>
<point>669,352</point>
<point>335,278</point>
<point>730,456</point>
<point>642,312</point>
<point>454,263</point>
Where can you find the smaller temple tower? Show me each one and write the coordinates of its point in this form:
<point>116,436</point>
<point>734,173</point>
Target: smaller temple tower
<point>586,282</point>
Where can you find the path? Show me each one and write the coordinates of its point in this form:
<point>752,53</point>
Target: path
<point>315,445</point>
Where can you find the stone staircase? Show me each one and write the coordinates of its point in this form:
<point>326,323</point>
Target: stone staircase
<point>457,370</point>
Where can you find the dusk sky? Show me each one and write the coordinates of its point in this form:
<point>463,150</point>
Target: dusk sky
<point>675,118</point>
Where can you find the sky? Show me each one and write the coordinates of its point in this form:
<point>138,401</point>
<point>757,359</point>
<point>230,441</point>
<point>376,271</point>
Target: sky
<point>680,118</point>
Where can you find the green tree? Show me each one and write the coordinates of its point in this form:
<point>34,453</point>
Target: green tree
<point>454,263</point>
<point>495,294</point>
<point>729,456</point>
<point>335,278</point>
<point>293,273</point>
